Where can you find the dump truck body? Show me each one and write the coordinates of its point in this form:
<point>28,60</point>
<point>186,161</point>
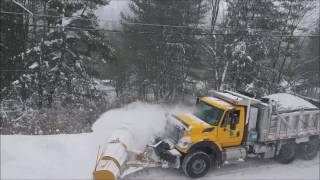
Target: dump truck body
<point>289,125</point>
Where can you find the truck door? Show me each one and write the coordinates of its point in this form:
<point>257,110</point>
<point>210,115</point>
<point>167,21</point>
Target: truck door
<point>230,131</point>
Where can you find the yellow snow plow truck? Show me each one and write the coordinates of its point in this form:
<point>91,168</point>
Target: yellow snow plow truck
<point>224,127</point>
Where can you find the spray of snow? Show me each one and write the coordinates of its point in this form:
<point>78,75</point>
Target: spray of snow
<point>143,121</point>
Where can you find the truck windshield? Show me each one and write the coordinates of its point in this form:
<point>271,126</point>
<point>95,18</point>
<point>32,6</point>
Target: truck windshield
<point>207,113</point>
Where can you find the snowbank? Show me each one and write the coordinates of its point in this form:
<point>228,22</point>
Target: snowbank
<point>288,102</point>
<point>74,156</point>
<point>47,157</point>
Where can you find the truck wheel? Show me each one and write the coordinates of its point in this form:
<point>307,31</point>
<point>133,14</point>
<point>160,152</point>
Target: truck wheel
<point>309,150</point>
<point>287,153</point>
<point>196,164</point>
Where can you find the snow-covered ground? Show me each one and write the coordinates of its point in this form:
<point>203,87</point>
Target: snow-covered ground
<point>74,156</point>
<point>252,169</point>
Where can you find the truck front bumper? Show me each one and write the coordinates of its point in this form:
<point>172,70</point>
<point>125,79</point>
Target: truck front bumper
<point>165,150</point>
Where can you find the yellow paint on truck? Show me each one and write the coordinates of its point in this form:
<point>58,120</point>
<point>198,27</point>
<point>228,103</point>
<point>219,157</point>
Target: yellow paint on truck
<point>221,136</point>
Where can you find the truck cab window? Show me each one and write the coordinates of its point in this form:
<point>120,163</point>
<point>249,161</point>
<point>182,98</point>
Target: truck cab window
<point>225,120</point>
<point>231,115</point>
<point>208,113</point>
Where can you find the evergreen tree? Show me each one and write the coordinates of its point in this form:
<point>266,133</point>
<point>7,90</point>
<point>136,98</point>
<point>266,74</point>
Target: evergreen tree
<point>254,56</point>
<point>233,59</point>
<point>284,50</point>
<point>13,35</point>
<point>57,63</point>
<point>55,71</point>
<point>305,71</point>
<point>162,56</point>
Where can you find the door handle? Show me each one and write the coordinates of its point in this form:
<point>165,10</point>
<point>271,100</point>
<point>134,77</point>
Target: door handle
<point>238,133</point>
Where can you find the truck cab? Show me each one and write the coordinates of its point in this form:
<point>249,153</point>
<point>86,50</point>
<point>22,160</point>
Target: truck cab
<point>213,120</point>
<point>215,130</point>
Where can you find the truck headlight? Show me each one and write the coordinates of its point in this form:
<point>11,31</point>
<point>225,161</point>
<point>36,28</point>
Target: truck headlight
<point>184,142</point>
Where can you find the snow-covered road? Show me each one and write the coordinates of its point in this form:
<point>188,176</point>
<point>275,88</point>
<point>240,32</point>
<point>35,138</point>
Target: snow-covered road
<point>252,169</point>
<point>73,156</point>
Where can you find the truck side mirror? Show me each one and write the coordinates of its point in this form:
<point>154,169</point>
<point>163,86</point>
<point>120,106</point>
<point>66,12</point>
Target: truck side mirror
<point>234,118</point>
<point>198,100</point>
<point>234,113</point>
<point>233,124</point>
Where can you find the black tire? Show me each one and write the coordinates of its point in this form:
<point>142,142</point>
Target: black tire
<point>309,150</point>
<point>196,164</point>
<point>287,153</point>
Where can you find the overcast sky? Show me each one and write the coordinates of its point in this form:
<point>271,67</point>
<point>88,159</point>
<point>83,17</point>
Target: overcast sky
<point>109,15</point>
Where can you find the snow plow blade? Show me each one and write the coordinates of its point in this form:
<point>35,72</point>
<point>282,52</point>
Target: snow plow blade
<point>115,161</point>
<point>112,157</point>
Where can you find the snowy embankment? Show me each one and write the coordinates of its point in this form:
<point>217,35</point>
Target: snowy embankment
<point>74,156</point>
